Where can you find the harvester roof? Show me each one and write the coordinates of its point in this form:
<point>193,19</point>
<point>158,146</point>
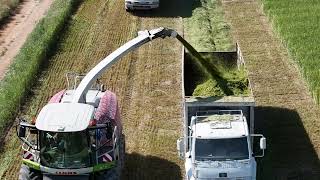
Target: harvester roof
<point>64,117</point>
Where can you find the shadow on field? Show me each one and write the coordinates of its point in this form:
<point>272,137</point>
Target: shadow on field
<point>290,154</point>
<point>170,8</point>
<point>139,167</point>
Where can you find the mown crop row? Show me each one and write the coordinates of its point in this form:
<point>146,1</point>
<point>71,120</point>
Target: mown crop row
<point>7,7</point>
<point>206,29</point>
<point>297,23</point>
<point>24,69</point>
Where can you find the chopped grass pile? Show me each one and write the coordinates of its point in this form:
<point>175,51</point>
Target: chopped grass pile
<point>233,81</point>
<point>24,69</point>
<point>216,117</point>
<point>236,82</point>
<point>297,23</point>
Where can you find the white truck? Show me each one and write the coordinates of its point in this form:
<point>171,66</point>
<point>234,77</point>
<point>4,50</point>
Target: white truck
<point>219,134</point>
<point>141,4</point>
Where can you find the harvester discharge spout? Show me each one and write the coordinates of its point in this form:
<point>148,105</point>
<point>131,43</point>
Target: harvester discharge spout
<point>142,38</point>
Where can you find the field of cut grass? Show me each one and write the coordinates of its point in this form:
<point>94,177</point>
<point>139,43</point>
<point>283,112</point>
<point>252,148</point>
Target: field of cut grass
<point>7,7</point>
<point>297,23</point>
<point>206,29</point>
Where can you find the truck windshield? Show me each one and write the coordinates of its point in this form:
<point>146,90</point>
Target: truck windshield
<point>221,149</point>
<point>64,150</point>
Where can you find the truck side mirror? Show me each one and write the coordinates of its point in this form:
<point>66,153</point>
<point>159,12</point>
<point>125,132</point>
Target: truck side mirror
<point>180,147</point>
<point>22,131</point>
<point>263,143</point>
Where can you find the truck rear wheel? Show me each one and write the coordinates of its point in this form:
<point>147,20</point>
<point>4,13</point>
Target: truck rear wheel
<point>26,173</point>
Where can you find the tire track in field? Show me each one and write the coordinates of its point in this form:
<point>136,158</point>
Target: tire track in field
<point>286,113</point>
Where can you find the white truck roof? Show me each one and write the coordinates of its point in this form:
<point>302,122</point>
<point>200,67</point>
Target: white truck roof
<point>64,117</point>
<point>220,126</point>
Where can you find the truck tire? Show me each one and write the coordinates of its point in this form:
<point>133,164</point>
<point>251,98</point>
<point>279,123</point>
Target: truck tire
<point>115,173</point>
<point>26,174</point>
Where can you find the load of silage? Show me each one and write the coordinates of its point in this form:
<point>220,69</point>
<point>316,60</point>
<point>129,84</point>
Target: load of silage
<point>213,76</point>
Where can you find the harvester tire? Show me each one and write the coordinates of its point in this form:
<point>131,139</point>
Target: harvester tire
<point>26,174</point>
<point>122,152</point>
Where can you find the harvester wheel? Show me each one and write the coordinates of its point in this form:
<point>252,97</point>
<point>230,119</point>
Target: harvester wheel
<point>26,173</point>
<point>122,151</point>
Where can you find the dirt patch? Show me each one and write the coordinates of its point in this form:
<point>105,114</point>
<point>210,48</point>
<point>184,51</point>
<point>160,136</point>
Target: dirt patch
<point>286,112</point>
<point>14,33</point>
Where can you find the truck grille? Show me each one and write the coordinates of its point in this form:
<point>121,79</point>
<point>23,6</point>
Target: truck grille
<point>225,165</point>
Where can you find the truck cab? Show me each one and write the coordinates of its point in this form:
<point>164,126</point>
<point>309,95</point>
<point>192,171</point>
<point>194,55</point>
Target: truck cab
<point>141,4</point>
<point>219,146</point>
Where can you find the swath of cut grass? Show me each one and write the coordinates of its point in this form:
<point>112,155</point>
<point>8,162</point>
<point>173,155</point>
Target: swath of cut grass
<point>297,23</point>
<point>23,72</point>
<point>7,7</point>
<point>206,29</point>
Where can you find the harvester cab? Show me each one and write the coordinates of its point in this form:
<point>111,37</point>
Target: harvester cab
<point>83,140</point>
